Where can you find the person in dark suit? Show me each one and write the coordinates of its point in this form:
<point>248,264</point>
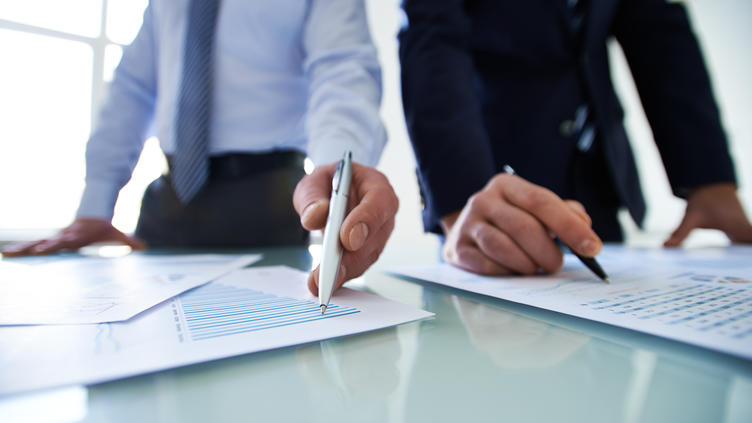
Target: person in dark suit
<point>489,83</point>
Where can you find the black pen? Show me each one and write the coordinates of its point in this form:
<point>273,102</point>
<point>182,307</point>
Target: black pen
<point>589,262</point>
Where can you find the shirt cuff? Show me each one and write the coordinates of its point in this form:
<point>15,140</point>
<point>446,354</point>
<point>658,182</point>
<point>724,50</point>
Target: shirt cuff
<point>334,148</point>
<point>98,200</point>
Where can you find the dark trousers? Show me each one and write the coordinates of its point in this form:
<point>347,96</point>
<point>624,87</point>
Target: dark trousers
<point>247,202</point>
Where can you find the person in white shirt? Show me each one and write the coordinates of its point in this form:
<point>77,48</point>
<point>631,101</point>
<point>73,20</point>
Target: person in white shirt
<point>287,79</point>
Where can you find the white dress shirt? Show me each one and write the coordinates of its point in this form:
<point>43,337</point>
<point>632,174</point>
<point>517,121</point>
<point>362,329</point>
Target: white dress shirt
<point>289,74</point>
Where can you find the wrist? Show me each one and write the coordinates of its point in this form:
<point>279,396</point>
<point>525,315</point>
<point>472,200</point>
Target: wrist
<point>712,191</point>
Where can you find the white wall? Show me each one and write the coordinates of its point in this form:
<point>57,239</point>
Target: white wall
<point>724,30</point>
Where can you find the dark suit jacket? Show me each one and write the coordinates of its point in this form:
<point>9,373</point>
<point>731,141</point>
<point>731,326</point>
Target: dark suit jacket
<point>489,82</point>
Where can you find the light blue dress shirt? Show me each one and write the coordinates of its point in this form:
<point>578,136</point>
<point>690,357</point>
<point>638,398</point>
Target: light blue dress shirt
<point>289,74</point>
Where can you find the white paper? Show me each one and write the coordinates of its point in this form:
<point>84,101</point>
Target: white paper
<point>98,290</point>
<point>246,311</point>
<point>701,297</point>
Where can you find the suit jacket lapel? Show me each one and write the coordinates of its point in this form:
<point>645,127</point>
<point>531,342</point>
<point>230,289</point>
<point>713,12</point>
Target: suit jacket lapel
<point>597,12</point>
<point>561,11</point>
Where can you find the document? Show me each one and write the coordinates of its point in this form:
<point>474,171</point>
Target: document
<point>98,290</point>
<point>249,310</point>
<point>701,297</point>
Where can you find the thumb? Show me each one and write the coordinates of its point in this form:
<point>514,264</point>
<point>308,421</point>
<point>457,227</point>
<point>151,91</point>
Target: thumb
<point>688,223</point>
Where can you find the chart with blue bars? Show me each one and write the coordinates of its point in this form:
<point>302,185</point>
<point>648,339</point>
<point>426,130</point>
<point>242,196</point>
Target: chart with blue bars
<point>216,310</point>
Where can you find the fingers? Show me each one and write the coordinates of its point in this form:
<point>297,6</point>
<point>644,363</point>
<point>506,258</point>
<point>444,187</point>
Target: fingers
<point>681,232</point>
<point>56,244</point>
<point>311,197</point>
<point>469,257</point>
<point>714,206</point>
<point>21,249</point>
<point>742,235</point>
<point>367,226</point>
<point>552,212</point>
<point>131,241</point>
<point>494,237</point>
<point>512,237</point>
<point>499,248</point>
<point>42,247</point>
<point>508,228</point>
<point>375,205</point>
<point>355,263</point>
<point>579,210</point>
<point>313,282</point>
<point>82,232</point>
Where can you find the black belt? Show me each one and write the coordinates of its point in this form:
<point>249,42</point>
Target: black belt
<point>239,165</point>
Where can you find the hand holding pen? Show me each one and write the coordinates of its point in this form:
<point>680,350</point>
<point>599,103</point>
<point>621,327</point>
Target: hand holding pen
<point>368,222</point>
<point>589,262</point>
<point>509,226</point>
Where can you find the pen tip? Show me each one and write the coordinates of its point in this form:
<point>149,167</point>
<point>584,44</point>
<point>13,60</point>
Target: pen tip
<point>607,280</point>
<point>323,308</point>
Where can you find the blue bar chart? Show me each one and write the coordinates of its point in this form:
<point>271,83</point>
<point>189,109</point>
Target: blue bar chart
<point>216,310</point>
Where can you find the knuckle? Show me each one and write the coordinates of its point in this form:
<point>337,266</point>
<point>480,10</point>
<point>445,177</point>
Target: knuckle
<point>373,256</point>
<point>395,202</point>
<point>477,202</point>
<point>536,199</point>
<point>521,227</point>
<point>461,254</point>
<point>498,180</point>
<point>485,238</point>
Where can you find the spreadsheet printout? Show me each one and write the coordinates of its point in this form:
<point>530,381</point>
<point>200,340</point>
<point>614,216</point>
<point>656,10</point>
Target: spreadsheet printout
<point>701,297</point>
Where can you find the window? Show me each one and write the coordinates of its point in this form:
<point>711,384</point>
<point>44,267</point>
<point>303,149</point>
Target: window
<point>57,58</point>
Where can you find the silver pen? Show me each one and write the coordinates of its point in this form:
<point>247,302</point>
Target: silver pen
<point>331,253</point>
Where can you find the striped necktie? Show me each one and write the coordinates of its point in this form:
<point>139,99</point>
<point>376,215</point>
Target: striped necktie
<point>190,163</point>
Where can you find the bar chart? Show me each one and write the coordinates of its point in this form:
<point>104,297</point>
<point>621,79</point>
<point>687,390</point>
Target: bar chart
<point>216,310</point>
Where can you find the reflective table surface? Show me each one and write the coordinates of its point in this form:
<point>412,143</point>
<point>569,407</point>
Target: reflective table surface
<point>480,359</point>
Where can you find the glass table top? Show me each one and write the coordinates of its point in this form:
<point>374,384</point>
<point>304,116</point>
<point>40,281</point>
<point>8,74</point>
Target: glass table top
<point>478,359</point>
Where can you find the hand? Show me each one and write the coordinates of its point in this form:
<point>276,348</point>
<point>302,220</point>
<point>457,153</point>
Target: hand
<point>508,228</point>
<point>367,226</point>
<point>714,206</point>
<point>82,232</point>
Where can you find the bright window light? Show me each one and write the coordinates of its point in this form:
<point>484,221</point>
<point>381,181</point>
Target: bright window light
<point>124,19</point>
<point>47,85</point>
<point>80,17</point>
<point>112,55</point>
<point>45,103</point>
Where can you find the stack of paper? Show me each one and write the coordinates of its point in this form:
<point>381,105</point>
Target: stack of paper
<point>242,312</point>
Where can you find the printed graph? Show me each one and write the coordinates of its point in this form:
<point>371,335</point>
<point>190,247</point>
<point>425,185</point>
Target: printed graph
<point>215,310</point>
